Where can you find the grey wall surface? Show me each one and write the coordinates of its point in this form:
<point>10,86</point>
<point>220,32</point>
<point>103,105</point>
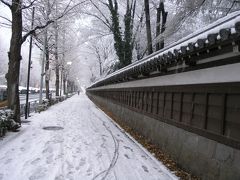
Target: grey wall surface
<point>203,157</point>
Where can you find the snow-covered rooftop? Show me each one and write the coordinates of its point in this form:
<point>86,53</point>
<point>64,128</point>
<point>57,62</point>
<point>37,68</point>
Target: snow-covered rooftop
<point>217,31</point>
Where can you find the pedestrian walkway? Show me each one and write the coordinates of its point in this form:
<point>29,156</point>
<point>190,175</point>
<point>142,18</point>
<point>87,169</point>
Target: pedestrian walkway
<point>83,144</point>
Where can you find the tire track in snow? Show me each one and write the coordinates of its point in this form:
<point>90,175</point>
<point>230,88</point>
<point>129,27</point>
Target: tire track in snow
<point>116,152</point>
<point>106,172</point>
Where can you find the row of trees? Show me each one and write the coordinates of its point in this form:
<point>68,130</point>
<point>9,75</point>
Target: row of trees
<point>131,23</point>
<point>49,15</point>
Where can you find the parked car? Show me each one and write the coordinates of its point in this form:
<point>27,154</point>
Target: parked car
<point>23,91</point>
<point>3,94</point>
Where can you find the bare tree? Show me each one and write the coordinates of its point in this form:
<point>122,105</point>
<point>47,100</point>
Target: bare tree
<point>102,50</point>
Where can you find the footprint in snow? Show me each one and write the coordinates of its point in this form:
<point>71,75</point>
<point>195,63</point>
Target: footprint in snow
<point>82,162</point>
<point>22,149</point>
<point>47,143</point>
<point>38,174</point>
<point>49,159</point>
<point>59,156</point>
<point>57,141</point>
<point>145,168</point>
<point>144,157</point>
<point>120,140</point>
<point>47,150</point>
<point>69,165</point>
<point>89,171</point>
<point>59,177</point>
<point>86,143</point>
<point>128,148</point>
<point>126,156</point>
<point>1,176</point>
<point>104,139</point>
<point>8,161</point>
<point>96,131</point>
<point>35,161</point>
<point>103,135</point>
<point>70,175</point>
<point>103,145</point>
<point>78,150</point>
<point>99,155</point>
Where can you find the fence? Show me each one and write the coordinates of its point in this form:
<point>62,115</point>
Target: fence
<point>33,105</point>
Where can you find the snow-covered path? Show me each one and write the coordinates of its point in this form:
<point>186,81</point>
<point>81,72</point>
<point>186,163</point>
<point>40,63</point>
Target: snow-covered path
<point>90,146</point>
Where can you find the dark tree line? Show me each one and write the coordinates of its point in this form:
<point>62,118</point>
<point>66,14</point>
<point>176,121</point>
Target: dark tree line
<point>123,41</point>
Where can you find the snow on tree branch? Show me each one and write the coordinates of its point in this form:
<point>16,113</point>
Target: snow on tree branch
<point>65,12</point>
<point>5,3</point>
<point>29,5</point>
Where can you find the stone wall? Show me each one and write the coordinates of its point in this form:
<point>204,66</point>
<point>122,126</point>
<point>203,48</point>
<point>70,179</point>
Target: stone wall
<point>203,157</point>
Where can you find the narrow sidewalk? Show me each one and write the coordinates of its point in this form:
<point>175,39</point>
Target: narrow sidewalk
<point>90,146</point>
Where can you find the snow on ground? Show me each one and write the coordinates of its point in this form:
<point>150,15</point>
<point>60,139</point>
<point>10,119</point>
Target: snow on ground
<point>90,146</point>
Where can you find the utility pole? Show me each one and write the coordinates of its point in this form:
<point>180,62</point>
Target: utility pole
<point>29,67</point>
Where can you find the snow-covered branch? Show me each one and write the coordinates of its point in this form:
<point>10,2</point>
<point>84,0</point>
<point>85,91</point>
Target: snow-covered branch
<point>5,3</point>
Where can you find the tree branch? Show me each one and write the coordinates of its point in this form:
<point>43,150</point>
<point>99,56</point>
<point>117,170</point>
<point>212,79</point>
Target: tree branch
<point>5,3</point>
<point>107,23</point>
<point>231,7</point>
<point>5,25</point>
<point>28,6</point>
<point>6,19</point>
<point>66,10</point>
<point>36,28</point>
<point>97,17</point>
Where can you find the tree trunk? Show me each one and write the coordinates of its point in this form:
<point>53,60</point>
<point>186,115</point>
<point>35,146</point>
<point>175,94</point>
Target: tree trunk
<point>56,60</point>
<point>64,85</point>
<point>63,70</point>
<point>57,80</point>
<point>148,27</point>
<point>164,20</point>
<point>100,68</point>
<point>61,81</point>
<point>128,33</point>
<point>158,28</point>
<point>47,76</point>
<point>14,60</point>
<point>117,35</point>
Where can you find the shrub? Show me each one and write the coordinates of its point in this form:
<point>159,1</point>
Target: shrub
<point>7,123</point>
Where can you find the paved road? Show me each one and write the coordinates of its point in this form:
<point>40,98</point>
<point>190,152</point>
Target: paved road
<point>32,97</point>
<point>90,146</point>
